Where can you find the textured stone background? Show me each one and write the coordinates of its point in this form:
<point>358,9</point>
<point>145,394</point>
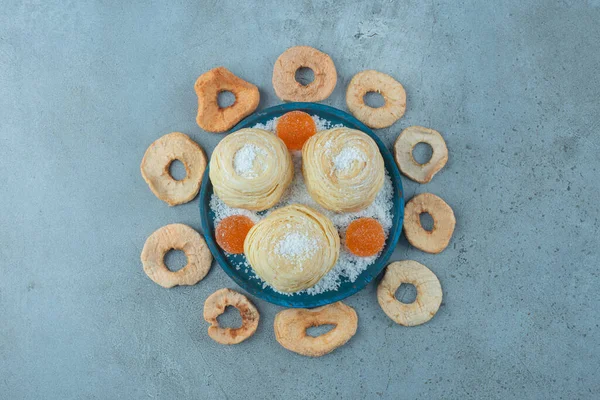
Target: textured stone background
<point>513,87</point>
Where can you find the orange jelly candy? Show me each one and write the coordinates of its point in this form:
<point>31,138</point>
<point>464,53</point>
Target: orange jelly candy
<point>294,128</point>
<point>365,237</point>
<point>231,233</point>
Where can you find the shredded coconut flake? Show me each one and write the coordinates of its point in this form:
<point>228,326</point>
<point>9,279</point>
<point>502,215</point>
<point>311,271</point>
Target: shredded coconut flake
<point>296,246</point>
<point>323,124</point>
<point>243,160</point>
<point>349,266</point>
<point>222,210</point>
<point>344,159</point>
<point>267,126</point>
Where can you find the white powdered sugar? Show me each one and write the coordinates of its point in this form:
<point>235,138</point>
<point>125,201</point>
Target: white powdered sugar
<point>243,160</point>
<point>349,266</point>
<point>344,159</point>
<point>296,246</point>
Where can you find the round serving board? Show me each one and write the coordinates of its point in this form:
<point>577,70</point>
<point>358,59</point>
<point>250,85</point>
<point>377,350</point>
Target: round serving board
<point>247,280</point>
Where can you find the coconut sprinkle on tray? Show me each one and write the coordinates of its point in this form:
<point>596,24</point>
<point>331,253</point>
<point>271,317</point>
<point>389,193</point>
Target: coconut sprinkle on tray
<point>348,266</point>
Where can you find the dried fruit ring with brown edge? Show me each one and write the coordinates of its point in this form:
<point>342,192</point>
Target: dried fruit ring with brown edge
<point>176,237</point>
<point>213,118</point>
<point>158,158</point>
<point>291,325</point>
<point>390,89</point>
<point>437,239</point>
<point>284,74</point>
<point>403,148</point>
<point>215,305</point>
<point>429,293</point>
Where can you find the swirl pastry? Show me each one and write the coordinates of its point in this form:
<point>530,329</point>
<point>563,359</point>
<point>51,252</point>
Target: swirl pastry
<point>343,169</point>
<point>292,248</point>
<point>251,169</point>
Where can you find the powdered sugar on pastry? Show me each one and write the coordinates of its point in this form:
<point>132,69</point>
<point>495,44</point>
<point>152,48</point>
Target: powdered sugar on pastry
<point>344,159</point>
<point>295,245</point>
<point>243,161</point>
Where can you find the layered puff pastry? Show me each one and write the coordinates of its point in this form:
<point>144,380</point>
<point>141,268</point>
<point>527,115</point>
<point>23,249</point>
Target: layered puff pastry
<point>343,169</point>
<point>292,248</point>
<point>251,169</point>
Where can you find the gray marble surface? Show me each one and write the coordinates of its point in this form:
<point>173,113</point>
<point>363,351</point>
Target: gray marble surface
<point>513,86</point>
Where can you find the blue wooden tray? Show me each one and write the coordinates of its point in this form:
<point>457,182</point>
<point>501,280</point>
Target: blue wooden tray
<point>246,279</point>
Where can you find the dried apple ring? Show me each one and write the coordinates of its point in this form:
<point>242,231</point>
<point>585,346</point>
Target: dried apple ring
<point>213,118</point>
<point>390,89</point>
<point>176,237</point>
<point>284,74</point>
<point>215,305</point>
<point>291,325</point>
<point>429,293</point>
<point>158,158</point>
<point>437,239</point>
<point>404,146</point>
